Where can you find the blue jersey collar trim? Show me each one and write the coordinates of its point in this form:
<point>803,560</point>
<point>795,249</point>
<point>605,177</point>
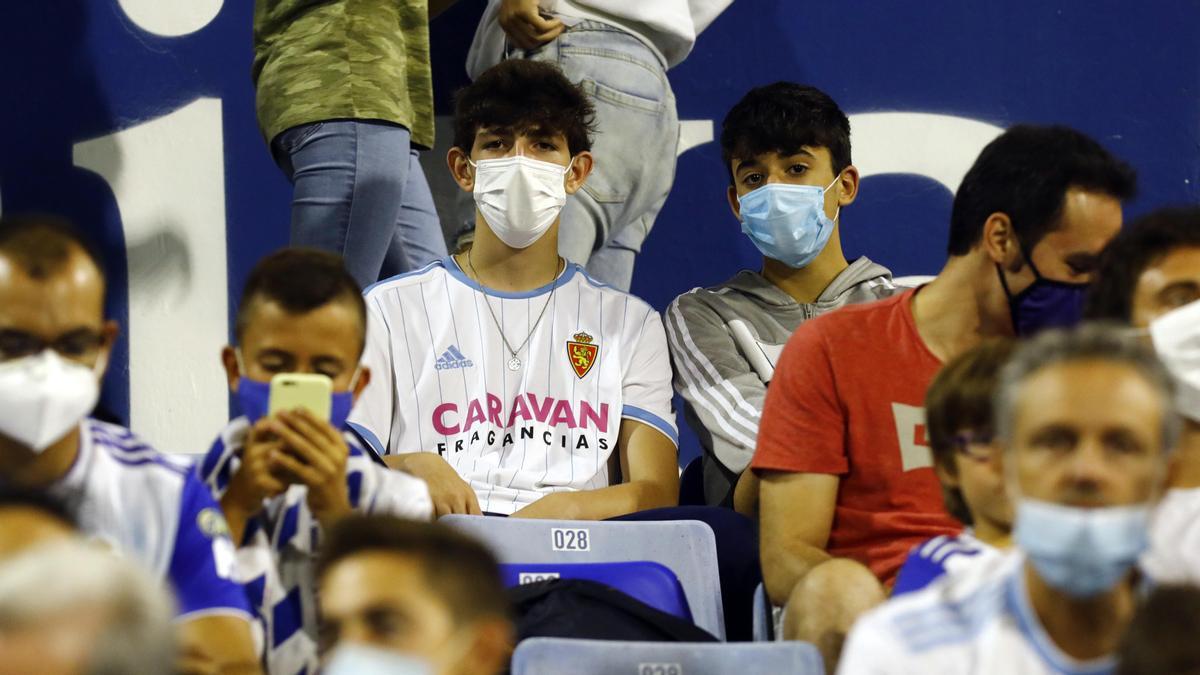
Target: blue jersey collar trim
<point>455,271</point>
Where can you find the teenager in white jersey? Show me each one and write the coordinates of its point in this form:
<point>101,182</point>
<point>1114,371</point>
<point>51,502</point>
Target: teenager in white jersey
<point>1150,278</point>
<point>1086,425</point>
<point>54,346</point>
<point>284,479</point>
<point>505,377</point>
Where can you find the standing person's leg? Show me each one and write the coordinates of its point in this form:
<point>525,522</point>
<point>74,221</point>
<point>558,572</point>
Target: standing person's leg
<point>613,260</point>
<point>417,239</point>
<point>349,184</point>
<point>637,135</point>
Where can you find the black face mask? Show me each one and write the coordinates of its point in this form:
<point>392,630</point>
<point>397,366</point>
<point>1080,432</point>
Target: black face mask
<point>1045,304</point>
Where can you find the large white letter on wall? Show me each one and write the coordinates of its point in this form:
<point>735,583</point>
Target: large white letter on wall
<point>168,176</point>
<point>941,147</point>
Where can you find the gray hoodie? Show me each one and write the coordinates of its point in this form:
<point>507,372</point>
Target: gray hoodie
<point>725,341</point>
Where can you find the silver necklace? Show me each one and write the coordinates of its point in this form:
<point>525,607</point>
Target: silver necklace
<point>514,362</point>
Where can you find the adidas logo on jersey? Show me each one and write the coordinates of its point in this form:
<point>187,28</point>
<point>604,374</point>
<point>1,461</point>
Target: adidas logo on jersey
<point>452,359</point>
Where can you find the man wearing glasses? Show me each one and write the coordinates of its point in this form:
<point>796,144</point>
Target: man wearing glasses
<point>54,348</point>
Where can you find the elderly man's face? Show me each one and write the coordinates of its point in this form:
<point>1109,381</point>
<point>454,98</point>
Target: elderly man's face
<point>1088,434</point>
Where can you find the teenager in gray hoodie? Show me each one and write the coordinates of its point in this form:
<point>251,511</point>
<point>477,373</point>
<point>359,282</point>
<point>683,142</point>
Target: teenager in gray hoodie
<point>787,149</point>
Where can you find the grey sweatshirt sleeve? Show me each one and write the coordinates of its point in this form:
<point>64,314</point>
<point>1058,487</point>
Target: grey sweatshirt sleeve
<point>716,380</point>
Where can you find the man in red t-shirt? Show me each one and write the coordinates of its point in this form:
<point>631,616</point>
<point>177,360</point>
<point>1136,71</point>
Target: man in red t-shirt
<point>847,484</point>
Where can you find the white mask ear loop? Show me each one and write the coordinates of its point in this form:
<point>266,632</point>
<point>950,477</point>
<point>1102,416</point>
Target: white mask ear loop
<point>837,213</point>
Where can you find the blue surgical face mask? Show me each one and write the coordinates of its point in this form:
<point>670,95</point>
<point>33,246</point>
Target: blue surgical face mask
<point>1045,304</point>
<point>355,659</point>
<point>787,222</point>
<point>254,398</point>
<point>1080,551</point>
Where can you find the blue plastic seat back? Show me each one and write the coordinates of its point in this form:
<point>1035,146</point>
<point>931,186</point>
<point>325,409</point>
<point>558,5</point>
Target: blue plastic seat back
<point>686,547</point>
<point>648,582</point>
<point>559,656</point>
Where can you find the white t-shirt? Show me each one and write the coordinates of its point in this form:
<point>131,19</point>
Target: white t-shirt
<point>440,380</point>
<point>1174,555</point>
<point>976,621</point>
<point>669,27</point>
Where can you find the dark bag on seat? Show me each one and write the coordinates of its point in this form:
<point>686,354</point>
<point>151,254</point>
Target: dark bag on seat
<point>578,608</point>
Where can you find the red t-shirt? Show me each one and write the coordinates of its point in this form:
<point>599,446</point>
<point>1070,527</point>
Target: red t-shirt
<point>848,399</point>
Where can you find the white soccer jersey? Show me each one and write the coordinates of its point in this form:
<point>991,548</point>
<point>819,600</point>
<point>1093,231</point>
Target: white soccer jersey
<point>978,621</point>
<point>441,380</point>
<point>153,508</point>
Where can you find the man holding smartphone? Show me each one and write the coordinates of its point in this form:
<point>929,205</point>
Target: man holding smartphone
<point>285,472</point>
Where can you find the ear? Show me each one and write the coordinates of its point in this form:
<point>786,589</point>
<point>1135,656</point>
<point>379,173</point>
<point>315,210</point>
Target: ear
<point>108,333</point>
<point>232,372</point>
<point>491,650</point>
<point>364,378</point>
<point>947,475</point>
<point>460,167</point>
<point>734,205</point>
<point>581,168</point>
<point>847,187</point>
<point>1000,240</point>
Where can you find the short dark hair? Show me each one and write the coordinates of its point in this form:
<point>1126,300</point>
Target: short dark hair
<point>1161,637</point>
<point>40,244</point>
<point>300,280</point>
<point>1127,256</point>
<point>13,496</point>
<point>460,570</point>
<point>782,117</point>
<point>958,399</point>
<point>524,95</point>
<point>1025,174</point>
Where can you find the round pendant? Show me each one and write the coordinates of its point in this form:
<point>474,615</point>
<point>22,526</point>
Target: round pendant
<point>514,363</point>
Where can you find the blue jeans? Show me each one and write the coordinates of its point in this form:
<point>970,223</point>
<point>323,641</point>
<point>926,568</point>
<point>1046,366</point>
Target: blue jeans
<point>605,223</point>
<point>360,193</point>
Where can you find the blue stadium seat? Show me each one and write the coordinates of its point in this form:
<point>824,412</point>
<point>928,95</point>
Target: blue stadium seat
<point>686,547</point>
<point>649,582</point>
<point>691,484</point>
<point>560,656</point>
<point>764,616</point>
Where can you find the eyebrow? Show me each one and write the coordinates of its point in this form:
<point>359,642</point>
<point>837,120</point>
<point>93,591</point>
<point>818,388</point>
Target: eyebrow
<point>753,162</point>
<point>1181,284</point>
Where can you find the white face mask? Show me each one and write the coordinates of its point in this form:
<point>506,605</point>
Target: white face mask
<point>356,659</point>
<point>1176,337</point>
<point>519,197</point>
<point>44,396</point>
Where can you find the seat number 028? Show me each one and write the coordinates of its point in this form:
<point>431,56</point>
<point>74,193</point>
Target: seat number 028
<point>569,539</point>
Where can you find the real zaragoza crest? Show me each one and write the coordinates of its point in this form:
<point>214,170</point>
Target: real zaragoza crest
<point>582,353</point>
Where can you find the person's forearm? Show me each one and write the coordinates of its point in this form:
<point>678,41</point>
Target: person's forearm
<point>784,565</point>
<point>745,495</point>
<point>616,500</point>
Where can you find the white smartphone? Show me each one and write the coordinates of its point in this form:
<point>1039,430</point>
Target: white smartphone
<point>312,392</point>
